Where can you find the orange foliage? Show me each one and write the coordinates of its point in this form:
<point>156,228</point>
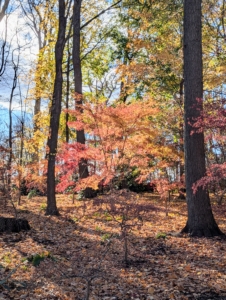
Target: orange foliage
<point>119,138</point>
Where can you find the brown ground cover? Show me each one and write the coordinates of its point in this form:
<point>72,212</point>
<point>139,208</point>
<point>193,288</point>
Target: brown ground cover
<point>80,255</point>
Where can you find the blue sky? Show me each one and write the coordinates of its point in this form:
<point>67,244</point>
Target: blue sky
<point>16,115</point>
<point>23,46</point>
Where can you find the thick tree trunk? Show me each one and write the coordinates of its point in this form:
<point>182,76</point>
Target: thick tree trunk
<point>200,217</point>
<point>80,134</point>
<point>55,113</point>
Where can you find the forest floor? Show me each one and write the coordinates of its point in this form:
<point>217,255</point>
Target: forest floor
<point>80,254</point>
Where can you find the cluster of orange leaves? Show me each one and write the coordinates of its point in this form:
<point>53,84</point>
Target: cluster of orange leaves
<point>119,137</point>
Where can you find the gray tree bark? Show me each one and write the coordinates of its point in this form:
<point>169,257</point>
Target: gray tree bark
<point>80,134</point>
<point>200,217</point>
<point>55,113</point>
<point>3,7</point>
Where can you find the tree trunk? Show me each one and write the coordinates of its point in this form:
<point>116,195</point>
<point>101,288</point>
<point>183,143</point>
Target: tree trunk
<point>67,131</point>
<point>15,81</point>
<point>21,158</point>
<point>55,113</point>
<point>200,217</point>
<point>3,9</point>
<point>80,134</point>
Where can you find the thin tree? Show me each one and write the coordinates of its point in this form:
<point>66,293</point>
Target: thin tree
<point>4,46</point>
<point>77,27</point>
<point>67,131</point>
<point>15,81</point>
<point>57,93</point>
<point>40,21</point>
<point>80,134</point>
<point>200,217</point>
<point>55,112</point>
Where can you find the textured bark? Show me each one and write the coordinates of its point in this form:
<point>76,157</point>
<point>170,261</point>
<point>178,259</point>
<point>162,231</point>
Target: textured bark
<point>37,109</point>
<point>55,113</point>
<point>200,217</point>
<point>15,81</point>
<point>67,131</point>
<point>80,134</point>
<point>83,170</point>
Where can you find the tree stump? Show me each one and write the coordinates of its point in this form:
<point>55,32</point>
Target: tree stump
<point>13,224</point>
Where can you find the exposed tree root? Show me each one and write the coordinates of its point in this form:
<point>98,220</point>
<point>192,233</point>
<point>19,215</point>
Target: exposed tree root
<point>52,212</point>
<point>202,232</point>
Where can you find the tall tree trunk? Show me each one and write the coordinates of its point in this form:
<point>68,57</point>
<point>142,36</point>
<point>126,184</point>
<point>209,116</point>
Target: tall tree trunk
<point>55,113</point>
<point>3,8</point>
<point>200,217</point>
<point>15,81</point>
<point>20,161</point>
<point>10,133</point>
<point>37,109</point>
<point>38,19</point>
<point>80,134</point>
<point>123,86</point>
<point>67,132</point>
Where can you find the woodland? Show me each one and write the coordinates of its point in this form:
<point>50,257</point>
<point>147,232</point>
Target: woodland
<point>112,149</point>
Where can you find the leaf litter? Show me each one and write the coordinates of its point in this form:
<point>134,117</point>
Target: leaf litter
<point>80,254</point>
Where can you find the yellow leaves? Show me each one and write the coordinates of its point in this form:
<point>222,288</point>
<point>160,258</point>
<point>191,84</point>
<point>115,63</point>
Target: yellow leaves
<point>215,73</point>
<point>151,290</point>
<point>212,63</point>
<point>221,69</point>
<point>91,181</point>
<point>145,1</point>
<point>46,14</point>
<point>36,144</point>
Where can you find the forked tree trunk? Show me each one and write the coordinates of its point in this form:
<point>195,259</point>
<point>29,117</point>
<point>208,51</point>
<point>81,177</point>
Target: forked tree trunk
<point>55,113</point>
<point>200,217</point>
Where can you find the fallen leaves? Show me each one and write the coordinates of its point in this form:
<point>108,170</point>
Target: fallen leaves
<point>73,255</point>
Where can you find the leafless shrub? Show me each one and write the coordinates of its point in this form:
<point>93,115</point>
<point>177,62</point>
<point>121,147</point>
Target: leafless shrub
<point>124,208</point>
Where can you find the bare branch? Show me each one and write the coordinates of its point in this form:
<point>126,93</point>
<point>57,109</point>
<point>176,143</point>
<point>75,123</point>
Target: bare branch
<point>101,13</point>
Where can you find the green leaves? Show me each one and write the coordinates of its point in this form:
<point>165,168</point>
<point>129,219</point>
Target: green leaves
<point>37,258</point>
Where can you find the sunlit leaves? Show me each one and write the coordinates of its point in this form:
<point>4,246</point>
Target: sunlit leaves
<point>119,138</point>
